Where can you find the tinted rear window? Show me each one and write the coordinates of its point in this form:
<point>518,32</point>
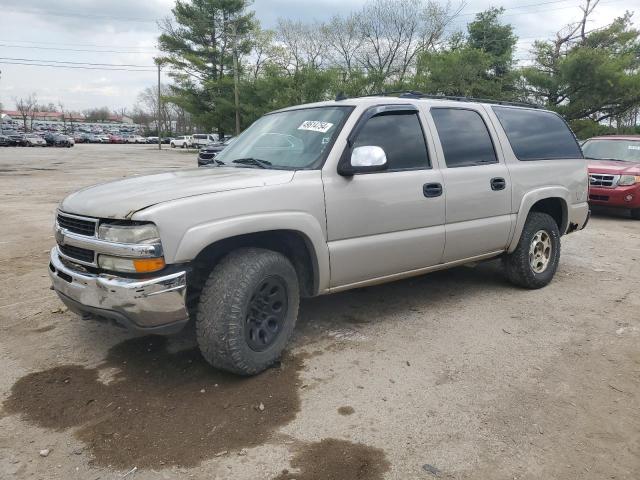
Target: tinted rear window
<point>464,137</point>
<point>537,135</point>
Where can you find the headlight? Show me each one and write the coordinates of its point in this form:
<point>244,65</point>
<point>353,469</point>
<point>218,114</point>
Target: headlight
<point>626,180</point>
<point>132,265</point>
<point>123,233</point>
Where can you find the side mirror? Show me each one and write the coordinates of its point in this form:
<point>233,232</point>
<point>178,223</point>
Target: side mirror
<point>364,159</point>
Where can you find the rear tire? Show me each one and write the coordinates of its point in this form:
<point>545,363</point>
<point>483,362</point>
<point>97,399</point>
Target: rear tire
<point>535,260</point>
<point>635,213</point>
<point>247,311</point>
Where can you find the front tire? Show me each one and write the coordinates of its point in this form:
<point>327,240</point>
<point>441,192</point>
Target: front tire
<point>247,311</point>
<point>535,260</point>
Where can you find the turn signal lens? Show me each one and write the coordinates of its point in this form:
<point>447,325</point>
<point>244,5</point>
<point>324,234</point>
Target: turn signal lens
<point>132,265</point>
<point>146,265</point>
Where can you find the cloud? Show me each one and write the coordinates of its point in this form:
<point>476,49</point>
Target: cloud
<point>125,32</point>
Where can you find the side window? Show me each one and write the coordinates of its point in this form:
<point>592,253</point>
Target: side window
<point>401,137</point>
<point>464,137</point>
<point>537,135</point>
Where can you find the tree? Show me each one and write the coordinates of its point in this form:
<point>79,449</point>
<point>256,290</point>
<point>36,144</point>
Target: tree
<point>588,74</point>
<point>101,114</point>
<point>478,64</point>
<point>26,107</point>
<point>198,43</point>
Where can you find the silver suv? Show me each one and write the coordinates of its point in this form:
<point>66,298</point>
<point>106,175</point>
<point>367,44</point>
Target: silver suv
<point>317,199</point>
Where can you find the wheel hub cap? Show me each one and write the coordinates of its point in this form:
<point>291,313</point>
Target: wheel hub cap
<point>540,251</point>
<point>266,314</point>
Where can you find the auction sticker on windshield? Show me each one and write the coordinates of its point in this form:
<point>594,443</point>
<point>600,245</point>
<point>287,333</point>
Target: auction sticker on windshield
<point>316,126</point>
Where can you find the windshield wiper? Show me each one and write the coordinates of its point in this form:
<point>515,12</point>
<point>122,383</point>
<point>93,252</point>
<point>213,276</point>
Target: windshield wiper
<point>253,161</point>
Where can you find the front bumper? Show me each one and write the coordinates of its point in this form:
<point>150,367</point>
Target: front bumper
<point>619,197</point>
<point>153,305</point>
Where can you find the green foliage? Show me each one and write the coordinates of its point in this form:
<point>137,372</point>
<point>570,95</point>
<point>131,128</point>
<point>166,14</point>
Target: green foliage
<point>198,45</point>
<point>587,78</point>
<point>596,77</point>
<point>479,64</point>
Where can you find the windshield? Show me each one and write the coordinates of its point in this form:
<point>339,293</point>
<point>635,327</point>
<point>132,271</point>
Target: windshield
<point>623,150</point>
<point>289,140</point>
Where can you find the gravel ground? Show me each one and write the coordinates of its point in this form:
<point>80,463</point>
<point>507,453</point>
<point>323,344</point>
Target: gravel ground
<point>456,374</point>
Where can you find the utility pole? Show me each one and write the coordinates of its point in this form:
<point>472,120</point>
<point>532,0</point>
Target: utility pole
<point>236,76</point>
<point>159,64</point>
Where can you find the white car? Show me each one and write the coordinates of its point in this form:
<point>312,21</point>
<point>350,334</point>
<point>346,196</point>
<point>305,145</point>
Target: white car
<point>186,141</point>
<point>204,139</point>
<point>34,141</point>
<point>135,139</point>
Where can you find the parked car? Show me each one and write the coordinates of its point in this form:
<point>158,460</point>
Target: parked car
<point>152,140</point>
<point>116,139</point>
<point>31,140</point>
<point>182,142</point>
<point>104,138</point>
<point>318,199</point>
<point>207,154</point>
<point>5,141</point>
<point>136,139</point>
<point>166,140</point>
<point>16,139</point>
<point>201,140</point>
<point>59,140</point>
<point>614,172</point>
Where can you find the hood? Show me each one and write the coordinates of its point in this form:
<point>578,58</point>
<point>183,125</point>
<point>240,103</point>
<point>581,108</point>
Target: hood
<point>613,167</point>
<point>122,198</point>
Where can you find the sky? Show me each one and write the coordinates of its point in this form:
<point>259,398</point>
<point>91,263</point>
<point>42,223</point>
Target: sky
<point>124,32</point>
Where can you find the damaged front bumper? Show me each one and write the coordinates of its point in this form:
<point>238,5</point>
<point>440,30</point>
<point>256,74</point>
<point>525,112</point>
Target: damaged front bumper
<point>153,305</point>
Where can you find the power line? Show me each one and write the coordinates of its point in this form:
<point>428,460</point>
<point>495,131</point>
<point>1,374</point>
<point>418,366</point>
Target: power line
<point>6,62</point>
<point>77,63</point>
<point>82,15</point>
<point>74,49</point>
<point>77,44</point>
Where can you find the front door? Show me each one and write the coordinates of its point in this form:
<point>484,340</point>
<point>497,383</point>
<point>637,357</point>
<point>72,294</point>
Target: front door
<point>389,222</point>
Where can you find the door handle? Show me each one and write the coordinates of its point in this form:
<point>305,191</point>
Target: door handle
<point>498,183</point>
<point>431,190</point>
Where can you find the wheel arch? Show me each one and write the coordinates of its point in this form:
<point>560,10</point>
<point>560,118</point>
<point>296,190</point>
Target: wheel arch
<point>293,244</point>
<point>297,235</point>
<point>551,200</point>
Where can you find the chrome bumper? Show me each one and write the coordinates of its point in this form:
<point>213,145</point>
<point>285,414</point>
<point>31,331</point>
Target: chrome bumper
<point>156,305</point>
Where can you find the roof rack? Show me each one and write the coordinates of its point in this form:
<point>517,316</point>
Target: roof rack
<point>419,95</point>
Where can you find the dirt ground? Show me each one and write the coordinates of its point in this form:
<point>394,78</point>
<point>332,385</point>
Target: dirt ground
<point>456,374</point>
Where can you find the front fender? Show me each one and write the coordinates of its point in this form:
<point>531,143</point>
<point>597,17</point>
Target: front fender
<point>197,238</point>
<point>530,199</point>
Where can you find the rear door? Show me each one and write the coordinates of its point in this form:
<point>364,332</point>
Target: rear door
<point>478,187</point>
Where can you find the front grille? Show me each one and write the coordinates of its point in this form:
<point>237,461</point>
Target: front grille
<point>601,198</point>
<point>77,253</point>
<point>602,180</point>
<point>207,156</point>
<point>77,225</point>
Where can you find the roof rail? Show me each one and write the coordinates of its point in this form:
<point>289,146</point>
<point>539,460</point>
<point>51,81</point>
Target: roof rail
<point>416,94</point>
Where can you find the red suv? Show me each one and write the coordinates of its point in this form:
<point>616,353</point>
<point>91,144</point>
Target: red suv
<point>614,172</point>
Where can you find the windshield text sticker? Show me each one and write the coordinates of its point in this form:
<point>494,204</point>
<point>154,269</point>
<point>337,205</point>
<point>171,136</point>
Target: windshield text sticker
<point>316,126</point>
<point>634,147</point>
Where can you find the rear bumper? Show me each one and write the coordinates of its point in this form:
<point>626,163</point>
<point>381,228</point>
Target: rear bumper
<point>153,305</point>
<point>578,216</point>
<point>619,197</point>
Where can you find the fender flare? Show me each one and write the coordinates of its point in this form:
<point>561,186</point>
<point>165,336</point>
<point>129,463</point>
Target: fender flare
<point>197,238</point>
<point>529,200</point>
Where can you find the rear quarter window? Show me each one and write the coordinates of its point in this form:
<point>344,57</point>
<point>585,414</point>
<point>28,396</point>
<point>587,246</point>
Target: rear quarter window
<point>537,135</point>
